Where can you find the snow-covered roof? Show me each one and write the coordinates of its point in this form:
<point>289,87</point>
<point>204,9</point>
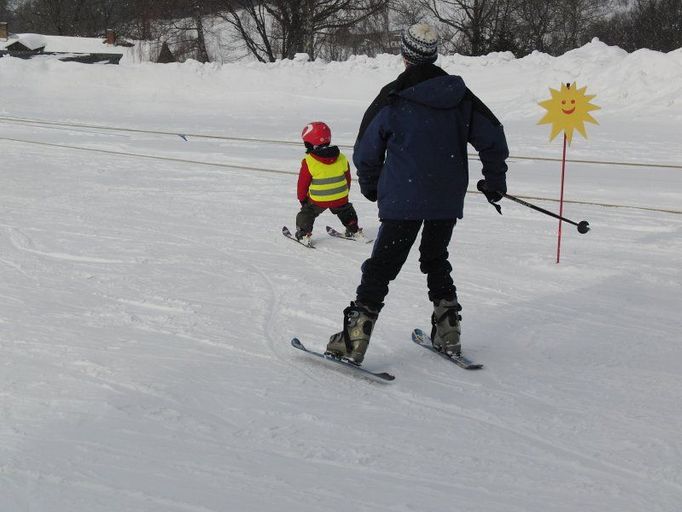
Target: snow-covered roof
<point>62,44</point>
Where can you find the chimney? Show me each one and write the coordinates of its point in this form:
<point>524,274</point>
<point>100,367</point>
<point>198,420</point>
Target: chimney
<point>111,37</point>
<point>4,30</point>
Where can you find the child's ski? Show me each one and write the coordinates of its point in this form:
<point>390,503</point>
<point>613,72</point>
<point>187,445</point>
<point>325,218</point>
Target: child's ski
<point>338,234</point>
<point>287,233</point>
<point>296,343</point>
<point>423,340</point>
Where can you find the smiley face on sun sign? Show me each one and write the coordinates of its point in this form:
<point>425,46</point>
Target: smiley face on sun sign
<point>568,106</point>
<point>567,110</point>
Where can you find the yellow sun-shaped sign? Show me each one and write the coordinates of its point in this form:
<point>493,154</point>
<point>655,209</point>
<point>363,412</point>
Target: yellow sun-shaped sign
<point>568,109</point>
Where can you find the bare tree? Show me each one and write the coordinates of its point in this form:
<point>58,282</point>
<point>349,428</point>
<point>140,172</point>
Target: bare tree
<point>653,24</point>
<point>369,36</point>
<point>4,10</point>
<point>179,24</point>
<point>407,12</point>
<point>476,27</point>
<point>202,52</point>
<point>501,33</point>
<point>573,18</point>
<point>252,22</point>
<point>71,17</point>
<point>281,28</point>
<point>657,24</point>
<point>324,17</point>
<point>143,14</point>
<point>534,23</point>
<point>470,22</point>
<point>59,17</point>
<point>276,29</point>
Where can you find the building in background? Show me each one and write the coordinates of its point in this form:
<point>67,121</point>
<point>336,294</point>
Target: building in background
<point>88,50</point>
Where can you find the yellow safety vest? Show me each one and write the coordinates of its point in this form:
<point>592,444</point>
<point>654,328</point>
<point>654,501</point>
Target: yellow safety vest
<point>329,180</point>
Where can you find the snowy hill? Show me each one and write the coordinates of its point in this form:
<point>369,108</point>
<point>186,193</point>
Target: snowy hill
<point>148,301</point>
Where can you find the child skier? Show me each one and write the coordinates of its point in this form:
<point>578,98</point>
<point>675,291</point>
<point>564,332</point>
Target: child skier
<point>323,182</point>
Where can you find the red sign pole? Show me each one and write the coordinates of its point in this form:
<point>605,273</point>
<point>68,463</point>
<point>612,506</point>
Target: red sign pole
<point>561,200</point>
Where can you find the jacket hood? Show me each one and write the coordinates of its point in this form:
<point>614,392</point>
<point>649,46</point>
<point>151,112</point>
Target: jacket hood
<point>326,154</point>
<point>442,92</point>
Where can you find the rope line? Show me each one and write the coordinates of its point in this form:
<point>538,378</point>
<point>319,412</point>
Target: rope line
<point>48,124</point>
<point>597,162</point>
<point>150,157</point>
<point>278,171</point>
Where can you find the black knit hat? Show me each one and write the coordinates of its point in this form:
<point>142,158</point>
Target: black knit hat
<point>419,44</point>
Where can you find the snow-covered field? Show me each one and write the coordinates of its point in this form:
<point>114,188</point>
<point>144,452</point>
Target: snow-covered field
<point>147,305</point>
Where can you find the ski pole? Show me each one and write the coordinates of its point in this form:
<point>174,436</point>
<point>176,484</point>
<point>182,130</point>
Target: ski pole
<point>583,225</point>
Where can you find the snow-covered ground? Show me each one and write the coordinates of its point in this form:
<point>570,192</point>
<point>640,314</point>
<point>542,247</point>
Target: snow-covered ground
<point>147,305</point>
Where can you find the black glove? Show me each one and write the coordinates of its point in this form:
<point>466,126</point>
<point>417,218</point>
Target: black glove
<point>304,202</point>
<point>371,196</point>
<point>493,196</point>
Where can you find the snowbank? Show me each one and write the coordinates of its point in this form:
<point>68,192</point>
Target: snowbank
<point>636,82</point>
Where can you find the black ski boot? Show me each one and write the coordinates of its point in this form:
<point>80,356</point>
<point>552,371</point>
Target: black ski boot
<point>446,326</point>
<point>303,237</point>
<point>352,342</point>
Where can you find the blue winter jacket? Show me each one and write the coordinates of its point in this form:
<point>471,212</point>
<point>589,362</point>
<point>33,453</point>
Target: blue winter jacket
<point>411,152</point>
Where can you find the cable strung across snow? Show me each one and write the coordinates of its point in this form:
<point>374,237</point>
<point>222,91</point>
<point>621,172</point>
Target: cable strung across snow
<point>142,155</point>
<point>278,171</point>
<point>50,124</point>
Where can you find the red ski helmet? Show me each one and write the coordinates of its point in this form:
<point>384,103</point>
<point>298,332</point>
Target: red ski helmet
<point>316,133</point>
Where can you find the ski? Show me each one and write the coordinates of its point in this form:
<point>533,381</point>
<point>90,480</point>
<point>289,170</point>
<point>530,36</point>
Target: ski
<point>423,340</point>
<point>287,233</point>
<point>296,343</point>
<point>332,232</point>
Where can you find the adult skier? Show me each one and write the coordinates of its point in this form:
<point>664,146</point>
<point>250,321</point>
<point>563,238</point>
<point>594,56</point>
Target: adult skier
<point>411,157</point>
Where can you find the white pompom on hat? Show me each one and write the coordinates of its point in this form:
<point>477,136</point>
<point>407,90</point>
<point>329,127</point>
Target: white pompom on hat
<point>419,44</point>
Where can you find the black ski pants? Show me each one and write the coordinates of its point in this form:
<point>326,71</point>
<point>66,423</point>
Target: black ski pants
<point>391,248</point>
<point>310,211</point>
